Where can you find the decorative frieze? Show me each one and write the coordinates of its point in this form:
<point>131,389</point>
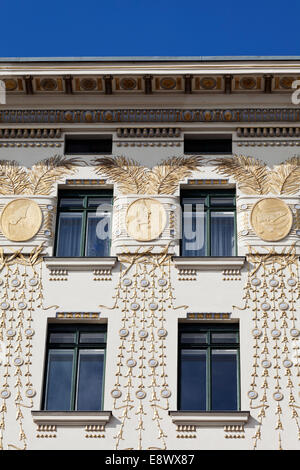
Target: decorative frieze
<point>149,132</point>
<point>30,133</point>
<point>60,267</point>
<point>77,315</point>
<point>209,316</point>
<point>264,132</point>
<point>175,115</point>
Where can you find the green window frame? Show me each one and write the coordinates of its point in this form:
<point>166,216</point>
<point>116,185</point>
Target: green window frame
<point>201,385</point>
<point>80,205</point>
<point>209,199</point>
<point>72,342</point>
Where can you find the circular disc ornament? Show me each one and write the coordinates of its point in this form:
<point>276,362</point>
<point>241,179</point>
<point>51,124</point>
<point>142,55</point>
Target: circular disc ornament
<point>252,394</point>
<point>271,219</point>
<point>21,219</point>
<point>145,219</point>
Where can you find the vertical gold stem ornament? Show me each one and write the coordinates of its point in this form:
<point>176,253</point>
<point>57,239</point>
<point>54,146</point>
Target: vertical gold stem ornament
<point>21,295</point>
<point>272,292</point>
<point>143,295</point>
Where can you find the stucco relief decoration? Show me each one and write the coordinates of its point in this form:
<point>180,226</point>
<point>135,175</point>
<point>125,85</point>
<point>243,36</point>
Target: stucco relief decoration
<point>144,296</point>
<point>271,218</point>
<point>20,298</point>
<point>272,296</point>
<point>254,177</point>
<point>21,288</point>
<point>133,178</point>
<point>38,180</point>
<point>145,219</point>
<point>21,219</point>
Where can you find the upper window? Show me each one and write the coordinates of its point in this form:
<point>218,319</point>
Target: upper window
<point>218,144</point>
<point>84,223</point>
<point>208,223</point>
<point>208,367</point>
<point>88,145</point>
<point>75,367</point>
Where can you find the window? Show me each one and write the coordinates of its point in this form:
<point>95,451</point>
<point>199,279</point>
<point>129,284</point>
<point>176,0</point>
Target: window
<point>209,367</point>
<point>84,223</point>
<point>75,367</point>
<point>217,144</point>
<point>88,145</point>
<point>208,223</point>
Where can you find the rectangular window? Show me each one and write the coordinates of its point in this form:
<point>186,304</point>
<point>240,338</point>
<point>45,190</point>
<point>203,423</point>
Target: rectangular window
<point>84,223</point>
<point>75,368</point>
<point>218,144</point>
<point>89,145</point>
<point>208,223</point>
<point>208,367</point>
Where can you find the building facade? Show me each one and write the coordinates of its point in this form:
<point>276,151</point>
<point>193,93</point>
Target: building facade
<point>150,227</point>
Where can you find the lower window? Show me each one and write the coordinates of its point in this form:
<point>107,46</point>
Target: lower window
<point>75,368</point>
<point>208,367</point>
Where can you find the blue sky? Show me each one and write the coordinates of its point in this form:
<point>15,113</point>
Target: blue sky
<point>67,28</point>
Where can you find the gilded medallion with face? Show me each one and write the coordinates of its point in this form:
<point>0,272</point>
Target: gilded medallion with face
<point>145,219</point>
<point>21,219</point>
<point>271,219</point>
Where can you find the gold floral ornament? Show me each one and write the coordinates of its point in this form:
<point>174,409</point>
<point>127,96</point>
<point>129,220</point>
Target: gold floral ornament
<point>15,179</point>
<point>133,178</point>
<point>254,177</point>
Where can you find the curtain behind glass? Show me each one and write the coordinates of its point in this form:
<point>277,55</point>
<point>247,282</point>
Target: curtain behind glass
<point>69,234</point>
<point>222,234</point>
<point>194,233</point>
<point>98,234</point>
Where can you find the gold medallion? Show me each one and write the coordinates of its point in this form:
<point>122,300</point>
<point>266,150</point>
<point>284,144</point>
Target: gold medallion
<point>21,219</point>
<point>145,219</point>
<point>271,219</point>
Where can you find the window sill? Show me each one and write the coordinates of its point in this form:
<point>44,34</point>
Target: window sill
<point>209,418</point>
<point>71,418</point>
<point>80,264</point>
<point>209,263</point>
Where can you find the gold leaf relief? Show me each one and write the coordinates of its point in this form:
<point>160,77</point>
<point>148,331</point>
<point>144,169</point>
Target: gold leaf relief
<point>253,177</point>
<point>134,178</point>
<point>15,179</point>
<point>250,173</point>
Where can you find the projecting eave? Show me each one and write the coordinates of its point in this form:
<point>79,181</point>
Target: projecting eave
<point>149,65</point>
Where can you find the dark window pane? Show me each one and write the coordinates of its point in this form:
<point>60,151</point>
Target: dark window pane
<point>59,380</point>
<point>207,145</point>
<point>222,234</point>
<point>199,338</point>
<point>88,145</point>
<point>92,338</point>
<point>71,203</point>
<point>224,380</point>
<point>224,337</point>
<point>69,234</point>
<point>191,201</point>
<point>90,380</point>
<point>62,338</point>
<point>100,201</point>
<point>193,380</point>
<point>194,231</point>
<point>222,201</point>
<point>98,235</point>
